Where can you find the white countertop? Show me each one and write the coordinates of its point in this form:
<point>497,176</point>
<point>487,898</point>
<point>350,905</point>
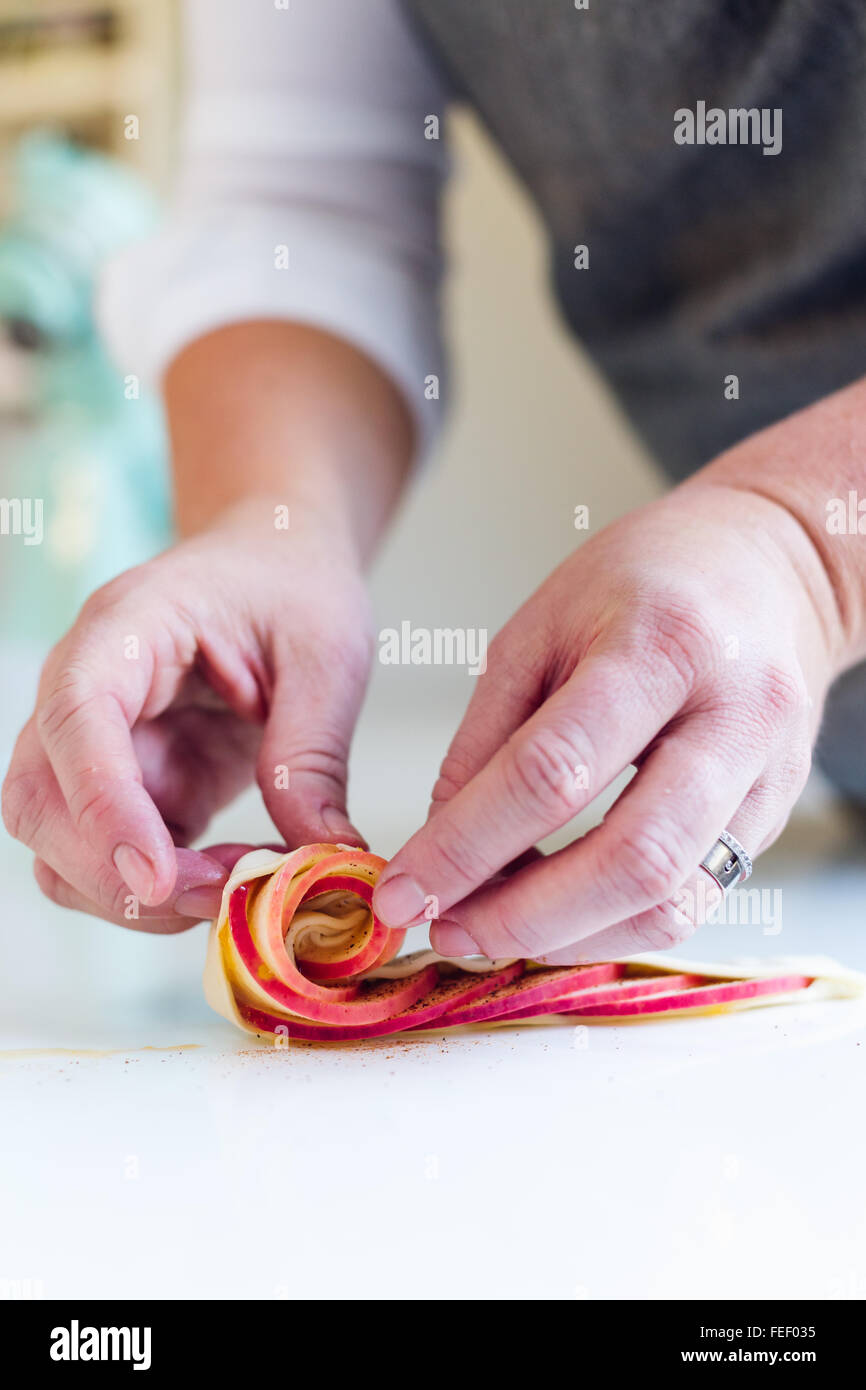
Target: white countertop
<point>694,1158</point>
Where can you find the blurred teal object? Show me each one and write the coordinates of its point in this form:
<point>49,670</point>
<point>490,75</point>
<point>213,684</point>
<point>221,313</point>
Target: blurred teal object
<point>91,444</point>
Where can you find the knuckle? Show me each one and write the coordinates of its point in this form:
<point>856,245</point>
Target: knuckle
<point>454,860</point>
<point>109,890</point>
<point>508,930</point>
<point>25,800</point>
<point>66,702</point>
<point>781,694</point>
<point>773,700</point>
<point>94,803</point>
<point>679,628</point>
<point>646,863</point>
<point>322,757</point>
<point>662,930</point>
<point>541,772</point>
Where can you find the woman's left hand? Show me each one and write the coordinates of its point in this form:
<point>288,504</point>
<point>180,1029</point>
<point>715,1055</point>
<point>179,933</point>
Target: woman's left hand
<point>696,639</point>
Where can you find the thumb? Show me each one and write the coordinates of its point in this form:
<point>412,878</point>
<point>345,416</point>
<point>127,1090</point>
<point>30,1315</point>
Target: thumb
<point>302,768</point>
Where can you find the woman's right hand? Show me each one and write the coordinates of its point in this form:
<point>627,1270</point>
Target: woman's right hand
<point>243,651</point>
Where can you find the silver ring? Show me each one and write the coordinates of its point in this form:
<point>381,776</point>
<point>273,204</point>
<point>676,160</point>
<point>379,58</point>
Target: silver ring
<point>727,862</point>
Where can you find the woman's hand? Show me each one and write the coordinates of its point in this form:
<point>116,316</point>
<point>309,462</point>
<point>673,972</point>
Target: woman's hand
<point>696,639</point>
<point>242,651</point>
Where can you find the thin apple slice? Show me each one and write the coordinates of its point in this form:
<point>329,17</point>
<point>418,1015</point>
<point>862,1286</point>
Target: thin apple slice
<point>532,989</point>
<point>610,993</point>
<point>376,1001</point>
<point>446,993</point>
<point>719,994</point>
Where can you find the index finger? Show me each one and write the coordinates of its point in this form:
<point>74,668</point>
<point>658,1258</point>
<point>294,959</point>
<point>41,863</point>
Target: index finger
<point>649,845</point>
<point>562,757</point>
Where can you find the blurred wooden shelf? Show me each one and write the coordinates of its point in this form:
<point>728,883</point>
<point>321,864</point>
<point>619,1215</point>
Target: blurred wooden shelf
<point>84,66</point>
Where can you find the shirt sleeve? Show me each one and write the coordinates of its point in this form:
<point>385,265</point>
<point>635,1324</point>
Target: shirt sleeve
<point>308,190</point>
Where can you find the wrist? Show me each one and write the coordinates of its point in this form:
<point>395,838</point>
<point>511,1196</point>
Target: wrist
<point>795,468</point>
<point>285,526</point>
<point>826,638</point>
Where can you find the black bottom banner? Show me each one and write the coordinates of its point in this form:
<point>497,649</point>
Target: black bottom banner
<point>246,1341</point>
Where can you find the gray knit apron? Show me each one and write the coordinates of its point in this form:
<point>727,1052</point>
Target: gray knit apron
<point>707,260</point>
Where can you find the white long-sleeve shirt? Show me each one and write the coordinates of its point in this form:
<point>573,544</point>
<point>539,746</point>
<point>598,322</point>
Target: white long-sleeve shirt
<point>307,190</point>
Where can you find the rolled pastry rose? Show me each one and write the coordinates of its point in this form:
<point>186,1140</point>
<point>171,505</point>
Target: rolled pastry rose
<point>297,951</point>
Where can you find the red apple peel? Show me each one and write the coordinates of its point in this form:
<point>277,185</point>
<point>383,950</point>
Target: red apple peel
<point>298,952</point>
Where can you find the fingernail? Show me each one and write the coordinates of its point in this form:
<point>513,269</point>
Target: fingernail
<point>450,939</point>
<point>399,901</point>
<point>199,902</point>
<point>136,871</point>
<point>338,825</point>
